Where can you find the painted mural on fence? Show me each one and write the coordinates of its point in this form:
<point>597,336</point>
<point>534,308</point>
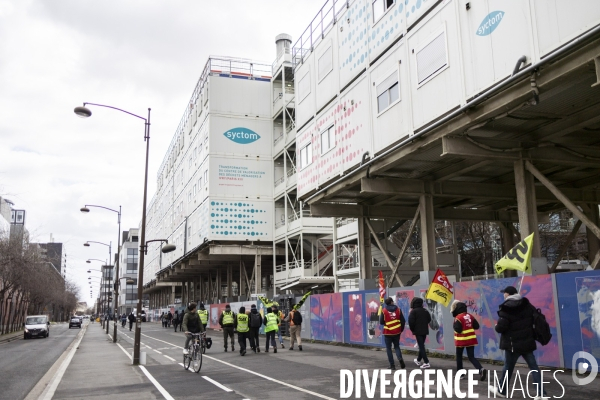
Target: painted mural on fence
<point>215,313</point>
<point>371,318</point>
<point>579,307</point>
<point>354,323</point>
<point>483,299</point>
<point>402,298</point>
<point>435,340</point>
<point>326,317</point>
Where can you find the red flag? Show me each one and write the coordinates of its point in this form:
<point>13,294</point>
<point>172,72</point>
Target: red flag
<point>381,287</point>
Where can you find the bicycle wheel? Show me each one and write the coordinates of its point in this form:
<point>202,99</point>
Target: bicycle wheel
<point>187,359</point>
<point>197,360</point>
<point>203,347</point>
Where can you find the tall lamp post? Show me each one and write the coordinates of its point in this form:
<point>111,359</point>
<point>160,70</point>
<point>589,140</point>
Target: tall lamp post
<point>85,209</point>
<point>108,266</point>
<point>85,112</point>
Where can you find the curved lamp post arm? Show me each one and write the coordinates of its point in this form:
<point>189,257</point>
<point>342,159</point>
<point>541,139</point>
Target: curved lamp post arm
<point>114,108</point>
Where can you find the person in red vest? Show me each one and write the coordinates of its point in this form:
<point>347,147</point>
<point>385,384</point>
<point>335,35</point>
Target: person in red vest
<point>465,326</point>
<point>393,322</point>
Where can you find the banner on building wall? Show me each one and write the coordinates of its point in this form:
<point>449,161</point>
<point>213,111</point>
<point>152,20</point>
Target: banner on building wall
<point>240,219</point>
<point>241,177</point>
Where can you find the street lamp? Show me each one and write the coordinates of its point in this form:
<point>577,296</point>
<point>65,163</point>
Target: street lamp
<point>109,245</point>
<point>85,112</point>
<point>85,209</point>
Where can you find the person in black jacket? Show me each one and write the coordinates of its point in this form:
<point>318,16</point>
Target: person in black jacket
<point>255,323</point>
<point>131,319</point>
<point>515,324</point>
<point>418,322</point>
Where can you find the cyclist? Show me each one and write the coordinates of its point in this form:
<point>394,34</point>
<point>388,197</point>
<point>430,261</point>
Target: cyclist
<point>191,324</point>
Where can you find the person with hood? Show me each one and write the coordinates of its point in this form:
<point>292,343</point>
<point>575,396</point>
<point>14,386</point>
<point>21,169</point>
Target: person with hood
<point>418,322</point>
<point>243,330</point>
<point>203,314</point>
<point>393,322</point>
<point>515,326</point>
<point>228,321</point>
<point>191,324</point>
<point>271,322</point>
<point>280,315</point>
<point>465,326</point>
<point>131,319</point>
<point>255,322</point>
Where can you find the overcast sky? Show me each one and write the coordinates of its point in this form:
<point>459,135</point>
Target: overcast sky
<point>131,54</point>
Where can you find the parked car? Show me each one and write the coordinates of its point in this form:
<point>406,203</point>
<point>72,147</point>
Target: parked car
<point>75,321</point>
<point>36,326</point>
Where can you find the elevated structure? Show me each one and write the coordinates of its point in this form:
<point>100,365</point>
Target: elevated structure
<point>418,111</point>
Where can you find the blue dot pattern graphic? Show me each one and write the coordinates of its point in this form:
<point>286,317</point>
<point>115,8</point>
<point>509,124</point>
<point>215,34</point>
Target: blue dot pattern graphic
<point>238,220</point>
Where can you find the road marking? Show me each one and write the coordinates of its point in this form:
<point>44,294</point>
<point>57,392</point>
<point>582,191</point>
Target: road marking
<point>125,351</point>
<point>188,370</point>
<point>157,351</point>
<point>110,336</point>
<point>254,373</point>
<point>217,384</point>
<point>161,389</point>
<point>170,358</point>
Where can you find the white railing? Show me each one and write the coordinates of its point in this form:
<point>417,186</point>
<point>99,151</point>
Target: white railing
<point>291,172</point>
<point>344,221</point>
<point>279,181</point>
<point>278,139</point>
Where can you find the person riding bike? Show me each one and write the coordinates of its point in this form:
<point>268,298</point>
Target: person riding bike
<point>191,324</point>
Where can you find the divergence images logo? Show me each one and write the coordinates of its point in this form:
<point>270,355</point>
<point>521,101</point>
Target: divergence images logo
<point>242,135</point>
<point>490,23</point>
<point>581,368</point>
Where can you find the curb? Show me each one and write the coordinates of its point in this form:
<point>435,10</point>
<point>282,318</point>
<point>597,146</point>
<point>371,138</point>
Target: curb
<point>9,337</point>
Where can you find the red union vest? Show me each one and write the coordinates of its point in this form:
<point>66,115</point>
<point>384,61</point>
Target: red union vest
<point>392,322</point>
<point>467,337</point>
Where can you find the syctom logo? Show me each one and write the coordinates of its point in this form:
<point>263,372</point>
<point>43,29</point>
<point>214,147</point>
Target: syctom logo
<point>490,23</point>
<point>242,135</point>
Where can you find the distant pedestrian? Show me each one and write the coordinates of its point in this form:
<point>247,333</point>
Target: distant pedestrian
<point>515,325</point>
<point>169,319</point>
<point>255,323</point>
<point>203,314</point>
<point>176,320</point>
<point>123,320</point>
<point>131,319</point>
<point>271,321</point>
<point>280,318</point>
<point>418,322</point>
<point>393,322</point>
<point>243,330</point>
<point>163,320</point>
<point>294,319</point>
<point>227,321</point>
<point>465,326</point>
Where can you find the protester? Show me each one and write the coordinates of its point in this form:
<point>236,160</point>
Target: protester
<point>465,326</point>
<point>515,325</point>
<point>255,324</point>
<point>169,319</point>
<point>203,314</point>
<point>191,324</point>
<point>163,320</point>
<point>243,330</point>
<point>131,319</point>
<point>294,318</point>
<point>176,320</point>
<point>123,320</point>
<point>280,316</point>
<point>271,322</point>
<point>418,322</point>
<point>227,321</point>
<point>393,322</point>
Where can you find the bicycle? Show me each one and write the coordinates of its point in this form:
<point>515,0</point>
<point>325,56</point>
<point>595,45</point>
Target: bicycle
<point>203,342</point>
<point>194,356</point>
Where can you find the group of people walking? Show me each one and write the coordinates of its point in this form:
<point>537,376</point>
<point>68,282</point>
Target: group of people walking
<point>127,317</point>
<point>515,325</point>
<point>175,319</point>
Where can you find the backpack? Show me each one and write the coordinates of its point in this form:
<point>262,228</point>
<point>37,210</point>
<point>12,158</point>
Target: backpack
<point>541,328</point>
<point>255,320</point>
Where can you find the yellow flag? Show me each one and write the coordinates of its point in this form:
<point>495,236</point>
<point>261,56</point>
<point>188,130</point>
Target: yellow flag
<point>440,289</point>
<point>518,258</point>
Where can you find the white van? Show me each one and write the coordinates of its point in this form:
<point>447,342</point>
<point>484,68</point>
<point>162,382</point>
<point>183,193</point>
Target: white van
<point>36,326</point>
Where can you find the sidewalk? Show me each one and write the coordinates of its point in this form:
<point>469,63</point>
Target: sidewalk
<point>100,369</point>
<point>9,337</point>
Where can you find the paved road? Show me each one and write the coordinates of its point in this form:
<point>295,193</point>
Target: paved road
<point>24,362</point>
<point>311,374</point>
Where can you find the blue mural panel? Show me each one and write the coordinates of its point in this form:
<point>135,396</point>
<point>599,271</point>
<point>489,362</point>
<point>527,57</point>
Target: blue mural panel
<point>326,317</point>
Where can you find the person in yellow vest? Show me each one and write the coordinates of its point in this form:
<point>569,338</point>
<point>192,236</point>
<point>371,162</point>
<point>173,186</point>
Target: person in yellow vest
<point>393,322</point>
<point>465,326</point>
<point>243,330</point>
<point>281,317</point>
<point>203,314</point>
<point>271,322</point>
<point>227,320</point>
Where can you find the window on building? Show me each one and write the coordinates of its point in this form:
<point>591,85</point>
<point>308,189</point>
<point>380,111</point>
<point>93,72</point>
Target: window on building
<point>132,260</point>
<point>325,63</point>
<point>380,7</point>
<point>304,87</point>
<point>200,183</point>
<point>305,156</point>
<point>327,139</point>
<point>388,92</point>
<point>206,177</point>
<point>195,189</point>
<point>190,162</point>
<point>432,58</point>
<point>190,197</point>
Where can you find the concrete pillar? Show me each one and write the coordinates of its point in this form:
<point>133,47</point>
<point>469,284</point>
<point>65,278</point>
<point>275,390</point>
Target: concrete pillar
<point>201,288</point>
<point>218,280</point>
<point>526,202</point>
<point>172,297</point>
<point>242,284</point>
<point>592,240</point>
<point>364,250</point>
<point>257,270</point>
<point>427,233</point>
<point>229,282</point>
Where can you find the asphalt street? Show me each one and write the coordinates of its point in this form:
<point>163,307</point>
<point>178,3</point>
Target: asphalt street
<point>310,374</point>
<point>24,362</point>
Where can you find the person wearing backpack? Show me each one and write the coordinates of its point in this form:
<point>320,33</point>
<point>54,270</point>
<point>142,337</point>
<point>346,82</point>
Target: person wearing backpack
<point>517,338</point>
<point>465,325</point>
<point>294,318</point>
<point>255,323</point>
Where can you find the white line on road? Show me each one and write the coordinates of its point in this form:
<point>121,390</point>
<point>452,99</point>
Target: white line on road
<point>170,358</point>
<point>161,389</point>
<point>217,384</point>
<point>254,373</point>
<point>157,351</point>
<point>125,351</point>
